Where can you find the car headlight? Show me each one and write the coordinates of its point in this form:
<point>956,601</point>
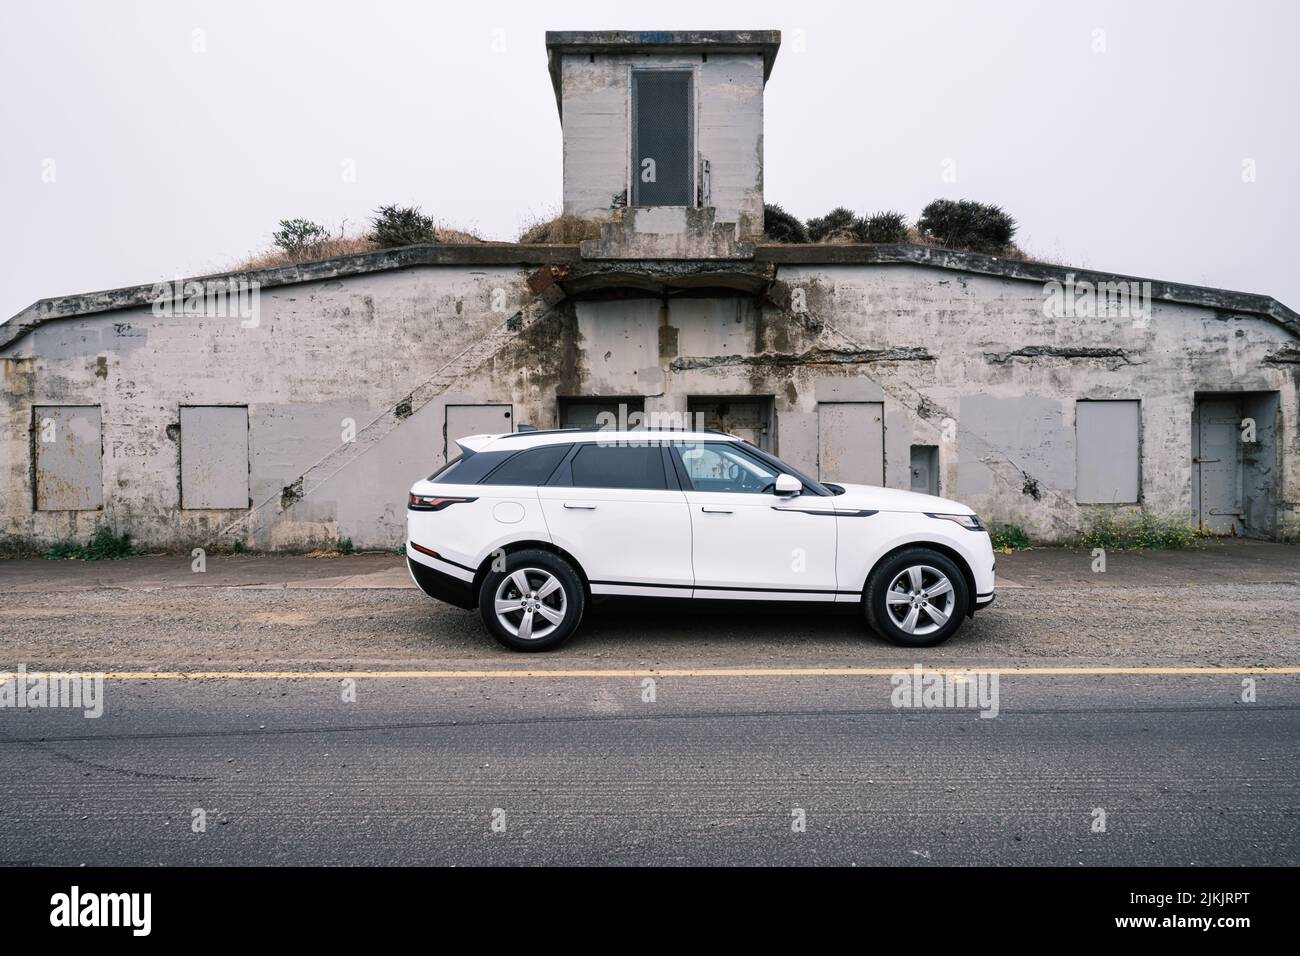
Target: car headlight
<point>969,522</point>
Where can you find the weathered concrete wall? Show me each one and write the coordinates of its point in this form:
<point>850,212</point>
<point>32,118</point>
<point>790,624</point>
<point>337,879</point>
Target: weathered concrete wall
<point>1008,376</point>
<point>321,354</point>
<point>729,131</point>
<point>967,363</point>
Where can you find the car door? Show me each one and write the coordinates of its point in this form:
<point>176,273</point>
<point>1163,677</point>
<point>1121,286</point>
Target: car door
<point>748,543</point>
<point>615,507</point>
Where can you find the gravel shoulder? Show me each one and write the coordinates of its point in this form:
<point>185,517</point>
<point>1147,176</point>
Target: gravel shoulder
<point>1229,604</point>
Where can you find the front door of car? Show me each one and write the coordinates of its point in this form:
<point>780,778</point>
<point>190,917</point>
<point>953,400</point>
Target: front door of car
<point>749,542</point>
<point>615,508</point>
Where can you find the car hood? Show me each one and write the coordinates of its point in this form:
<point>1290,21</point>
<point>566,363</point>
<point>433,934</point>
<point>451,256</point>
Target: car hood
<point>891,499</point>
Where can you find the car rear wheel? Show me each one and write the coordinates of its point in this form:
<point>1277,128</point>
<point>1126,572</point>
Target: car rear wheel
<point>917,598</point>
<point>535,603</point>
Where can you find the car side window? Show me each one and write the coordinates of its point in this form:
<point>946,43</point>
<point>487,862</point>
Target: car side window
<point>531,467</point>
<point>469,469</point>
<point>620,465</point>
<point>718,466</point>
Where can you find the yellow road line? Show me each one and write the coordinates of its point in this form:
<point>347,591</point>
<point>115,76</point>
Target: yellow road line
<point>672,672</point>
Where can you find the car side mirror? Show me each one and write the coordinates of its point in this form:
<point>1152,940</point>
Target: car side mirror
<point>787,485</point>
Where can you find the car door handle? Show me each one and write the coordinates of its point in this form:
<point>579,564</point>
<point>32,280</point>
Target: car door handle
<point>716,511</point>
<point>579,507</point>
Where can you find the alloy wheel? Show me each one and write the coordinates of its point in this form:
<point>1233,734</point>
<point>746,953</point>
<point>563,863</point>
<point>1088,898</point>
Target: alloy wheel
<point>530,603</point>
<point>920,600</point>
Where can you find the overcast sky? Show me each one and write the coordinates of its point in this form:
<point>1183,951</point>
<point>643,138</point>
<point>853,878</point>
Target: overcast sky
<point>1121,135</point>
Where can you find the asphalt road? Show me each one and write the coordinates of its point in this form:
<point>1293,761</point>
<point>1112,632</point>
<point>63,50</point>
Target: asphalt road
<point>758,718</point>
<point>583,770</point>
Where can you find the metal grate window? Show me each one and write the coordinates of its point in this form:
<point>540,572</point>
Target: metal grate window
<point>662,127</point>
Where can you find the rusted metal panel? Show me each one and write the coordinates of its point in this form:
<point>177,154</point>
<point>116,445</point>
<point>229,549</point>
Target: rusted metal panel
<point>851,442</point>
<point>465,420</point>
<point>69,457</point>
<point>214,456</point>
<point>1106,452</point>
<point>747,418</point>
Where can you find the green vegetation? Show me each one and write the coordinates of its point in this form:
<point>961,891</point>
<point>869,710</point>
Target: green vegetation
<point>16,546</point>
<point>1009,538</point>
<point>844,225</point>
<point>838,225</point>
<point>966,224</point>
<point>780,226</point>
<point>106,544</point>
<point>401,226</point>
<point>883,227</point>
<point>953,224</point>
<point>300,239</point>
<point>1138,531</point>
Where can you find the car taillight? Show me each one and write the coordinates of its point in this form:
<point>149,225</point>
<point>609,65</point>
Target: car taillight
<point>433,502</point>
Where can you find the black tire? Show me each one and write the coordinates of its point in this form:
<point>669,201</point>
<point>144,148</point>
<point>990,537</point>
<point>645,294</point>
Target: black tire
<point>887,625</point>
<point>535,566</point>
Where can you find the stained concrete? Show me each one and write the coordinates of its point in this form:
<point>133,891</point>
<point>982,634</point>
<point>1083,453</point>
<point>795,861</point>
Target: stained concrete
<point>669,307</point>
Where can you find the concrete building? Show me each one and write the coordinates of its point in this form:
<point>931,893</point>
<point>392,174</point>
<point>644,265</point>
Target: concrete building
<point>293,407</point>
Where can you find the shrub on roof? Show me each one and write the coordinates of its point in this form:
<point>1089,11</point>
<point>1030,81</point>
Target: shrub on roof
<point>966,224</point>
<point>299,238</point>
<point>394,226</point>
<point>883,227</point>
<point>838,225</point>
<point>780,226</point>
<point>844,225</point>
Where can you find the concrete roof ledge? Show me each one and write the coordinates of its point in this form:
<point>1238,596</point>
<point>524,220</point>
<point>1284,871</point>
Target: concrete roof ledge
<point>826,254</point>
<point>130,297</point>
<point>748,275</point>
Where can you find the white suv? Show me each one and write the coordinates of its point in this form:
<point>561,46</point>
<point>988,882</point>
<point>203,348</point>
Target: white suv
<point>528,527</point>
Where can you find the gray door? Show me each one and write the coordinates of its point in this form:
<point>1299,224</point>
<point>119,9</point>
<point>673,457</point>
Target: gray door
<point>851,442</point>
<point>1216,433</point>
<point>465,420</point>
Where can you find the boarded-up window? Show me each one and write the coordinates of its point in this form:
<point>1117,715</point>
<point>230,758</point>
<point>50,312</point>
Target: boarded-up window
<point>1106,452</point>
<point>602,412</point>
<point>69,457</point>
<point>662,134</point>
<point>214,456</point>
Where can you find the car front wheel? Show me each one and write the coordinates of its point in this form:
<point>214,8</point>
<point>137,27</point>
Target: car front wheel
<point>535,603</point>
<point>917,598</point>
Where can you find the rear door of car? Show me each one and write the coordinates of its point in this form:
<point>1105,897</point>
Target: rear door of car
<point>615,506</point>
